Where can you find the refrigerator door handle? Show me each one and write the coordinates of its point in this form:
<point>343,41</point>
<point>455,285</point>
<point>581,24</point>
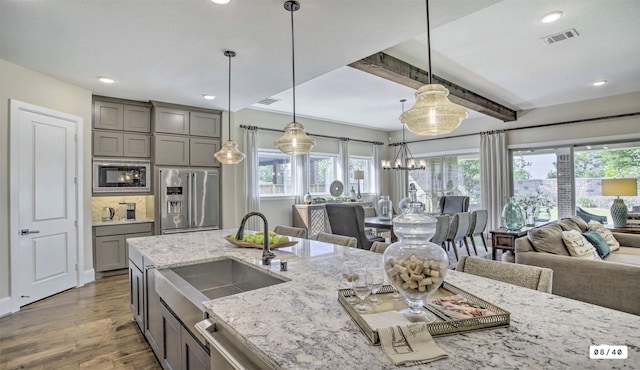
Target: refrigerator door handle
<point>189,196</point>
<point>194,199</point>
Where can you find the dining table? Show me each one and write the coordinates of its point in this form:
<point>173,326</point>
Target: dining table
<point>381,224</point>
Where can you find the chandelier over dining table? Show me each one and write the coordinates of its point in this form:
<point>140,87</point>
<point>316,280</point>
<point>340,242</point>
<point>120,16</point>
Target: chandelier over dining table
<point>404,159</point>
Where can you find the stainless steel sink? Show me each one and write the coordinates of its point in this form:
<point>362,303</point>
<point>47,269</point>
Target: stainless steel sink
<point>225,277</point>
<point>184,288</point>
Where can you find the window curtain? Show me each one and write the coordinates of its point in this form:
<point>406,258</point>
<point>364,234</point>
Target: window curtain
<point>495,175</point>
<point>398,184</point>
<point>376,171</point>
<point>343,164</point>
<point>252,180</point>
<point>300,165</point>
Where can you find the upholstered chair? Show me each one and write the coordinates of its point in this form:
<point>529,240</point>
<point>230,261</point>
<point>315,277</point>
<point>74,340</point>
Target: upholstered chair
<point>453,204</point>
<point>442,230</point>
<point>345,241</point>
<point>291,231</point>
<point>379,247</point>
<point>532,277</point>
<point>348,220</point>
<point>458,231</point>
<point>478,225</point>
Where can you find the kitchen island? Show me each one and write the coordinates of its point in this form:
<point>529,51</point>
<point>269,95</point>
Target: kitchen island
<point>300,324</point>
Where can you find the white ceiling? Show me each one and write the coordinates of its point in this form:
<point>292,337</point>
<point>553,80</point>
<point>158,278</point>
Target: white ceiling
<point>170,50</point>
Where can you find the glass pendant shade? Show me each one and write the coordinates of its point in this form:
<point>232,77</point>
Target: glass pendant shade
<point>229,153</point>
<point>294,140</point>
<point>433,113</point>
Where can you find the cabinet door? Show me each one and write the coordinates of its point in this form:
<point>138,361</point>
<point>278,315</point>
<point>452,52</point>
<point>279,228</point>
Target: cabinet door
<point>136,145</point>
<point>171,150</point>
<point>172,340</point>
<point>170,121</point>
<point>137,118</point>
<point>108,144</point>
<point>194,356</point>
<point>204,124</point>
<point>136,294</point>
<point>108,116</point>
<point>110,253</point>
<point>202,151</point>
<point>152,313</point>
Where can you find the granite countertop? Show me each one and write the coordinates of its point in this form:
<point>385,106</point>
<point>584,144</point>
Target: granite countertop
<point>301,324</point>
<point>125,222</point>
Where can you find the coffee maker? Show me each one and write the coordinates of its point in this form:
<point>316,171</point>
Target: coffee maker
<point>131,211</point>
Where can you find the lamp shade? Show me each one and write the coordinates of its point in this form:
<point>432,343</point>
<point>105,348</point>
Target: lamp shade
<point>358,175</point>
<point>229,153</point>
<point>620,187</point>
<point>433,113</point>
<point>294,140</point>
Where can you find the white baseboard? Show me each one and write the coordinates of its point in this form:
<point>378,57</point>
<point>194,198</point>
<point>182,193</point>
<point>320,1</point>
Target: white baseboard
<point>86,277</point>
<point>5,306</point>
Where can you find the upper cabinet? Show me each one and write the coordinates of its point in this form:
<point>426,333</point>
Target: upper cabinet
<point>109,115</point>
<point>183,120</point>
<point>137,118</point>
<point>121,128</point>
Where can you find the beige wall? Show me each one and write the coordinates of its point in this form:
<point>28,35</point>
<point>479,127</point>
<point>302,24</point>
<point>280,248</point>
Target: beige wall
<point>32,87</point>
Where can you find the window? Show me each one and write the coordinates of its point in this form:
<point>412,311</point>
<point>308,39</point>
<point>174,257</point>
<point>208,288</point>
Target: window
<point>451,175</point>
<point>535,179</point>
<point>322,172</point>
<point>359,163</point>
<point>275,173</point>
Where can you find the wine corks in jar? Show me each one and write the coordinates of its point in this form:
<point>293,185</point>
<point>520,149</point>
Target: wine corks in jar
<point>415,274</point>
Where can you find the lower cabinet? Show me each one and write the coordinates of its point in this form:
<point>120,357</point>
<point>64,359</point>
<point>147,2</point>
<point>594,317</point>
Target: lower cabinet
<point>152,313</point>
<point>110,244</point>
<point>180,349</point>
<point>136,286</point>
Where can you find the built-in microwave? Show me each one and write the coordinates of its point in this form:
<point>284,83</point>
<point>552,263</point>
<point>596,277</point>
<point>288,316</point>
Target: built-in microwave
<point>117,175</point>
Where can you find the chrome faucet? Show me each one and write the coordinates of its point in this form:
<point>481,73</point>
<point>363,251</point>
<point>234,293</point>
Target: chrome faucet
<point>267,255</point>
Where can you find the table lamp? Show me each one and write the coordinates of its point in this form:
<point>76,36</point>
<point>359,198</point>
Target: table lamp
<point>619,188</point>
<point>359,175</point>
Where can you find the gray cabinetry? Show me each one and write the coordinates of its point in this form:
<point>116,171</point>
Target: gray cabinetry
<point>152,313</point>
<point>204,124</point>
<point>137,118</point>
<point>110,248</point>
<point>108,116</point>
<point>136,286</point>
<point>108,144</point>
<point>193,355</point>
<point>172,335</point>
<point>201,152</point>
<point>171,150</point>
<point>170,120</point>
<point>137,146</point>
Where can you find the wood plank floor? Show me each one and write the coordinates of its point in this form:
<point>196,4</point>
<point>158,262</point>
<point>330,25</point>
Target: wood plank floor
<point>89,327</point>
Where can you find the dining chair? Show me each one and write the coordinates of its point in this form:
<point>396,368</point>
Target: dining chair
<point>348,220</point>
<point>442,231</point>
<point>379,247</point>
<point>478,225</point>
<point>290,231</point>
<point>345,241</point>
<point>532,277</point>
<point>453,204</point>
<point>458,230</point>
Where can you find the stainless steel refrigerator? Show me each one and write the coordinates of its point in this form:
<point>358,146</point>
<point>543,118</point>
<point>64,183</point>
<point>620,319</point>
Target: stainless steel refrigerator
<point>189,199</point>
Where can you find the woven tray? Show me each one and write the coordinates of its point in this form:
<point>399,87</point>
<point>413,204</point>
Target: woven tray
<point>255,245</point>
<point>443,324</point>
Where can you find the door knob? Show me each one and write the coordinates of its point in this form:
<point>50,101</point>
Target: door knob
<point>27,231</point>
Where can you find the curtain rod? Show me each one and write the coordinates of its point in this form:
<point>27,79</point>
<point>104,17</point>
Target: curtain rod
<point>523,128</point>
<point>310,134</point>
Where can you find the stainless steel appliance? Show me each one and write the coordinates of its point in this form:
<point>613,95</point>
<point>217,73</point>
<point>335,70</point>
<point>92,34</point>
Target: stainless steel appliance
<point>131,211</point>
<point>189,199</point>
<point>108,213</point>
<point>118,175</point>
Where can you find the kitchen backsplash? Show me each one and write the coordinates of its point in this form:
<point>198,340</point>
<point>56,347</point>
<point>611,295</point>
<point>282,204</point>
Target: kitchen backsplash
<point>144,206</point>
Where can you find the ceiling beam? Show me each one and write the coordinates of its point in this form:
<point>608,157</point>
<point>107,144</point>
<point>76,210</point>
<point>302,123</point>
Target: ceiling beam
<point>394,69</point>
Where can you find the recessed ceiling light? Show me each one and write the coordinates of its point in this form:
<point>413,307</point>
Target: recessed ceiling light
<point>600,83</point>
<point>106,80</point>
<point>551,17</point>
<point>220,2</point>
<point>208,96</point>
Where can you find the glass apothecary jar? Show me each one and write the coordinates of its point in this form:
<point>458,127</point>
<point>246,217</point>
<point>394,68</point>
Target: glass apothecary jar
<point>415,266</point>
<point>385,208</point>
<point>513,218</point>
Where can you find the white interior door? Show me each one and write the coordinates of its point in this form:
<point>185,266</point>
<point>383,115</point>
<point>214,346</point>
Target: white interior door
<point>47,206</point>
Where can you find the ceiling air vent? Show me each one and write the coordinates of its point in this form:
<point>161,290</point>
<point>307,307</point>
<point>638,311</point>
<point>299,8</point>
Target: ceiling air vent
<point>268,101</point>
<point>557,37</point>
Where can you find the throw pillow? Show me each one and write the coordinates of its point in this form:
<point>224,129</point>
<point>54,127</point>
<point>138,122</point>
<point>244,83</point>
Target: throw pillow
<point>548,239</point>
<point>605,234</point>
<point>598,242</point>
<point>578,246</point>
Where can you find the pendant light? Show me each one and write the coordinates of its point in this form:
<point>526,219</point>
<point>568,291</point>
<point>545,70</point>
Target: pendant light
<point>229,153</point>
<point>433,113</point>
<point>294,141</point>
<point>404,159</point>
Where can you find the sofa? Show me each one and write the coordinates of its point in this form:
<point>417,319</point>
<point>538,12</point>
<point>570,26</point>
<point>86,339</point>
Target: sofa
<point>612,282</point>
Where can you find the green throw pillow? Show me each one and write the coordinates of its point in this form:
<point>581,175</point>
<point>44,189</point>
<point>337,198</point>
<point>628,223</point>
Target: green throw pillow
<point>598,242</point>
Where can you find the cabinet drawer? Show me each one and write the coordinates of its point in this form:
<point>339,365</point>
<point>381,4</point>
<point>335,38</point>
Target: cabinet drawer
<point>504,241</point>
<point>171,150</point>
<point>171,121</point>
<point>108,144</point>
<point>137,119</point>
<point>202,151</point>
<point>145,227</point>
<point>136,145</point>
<point>204,124</point>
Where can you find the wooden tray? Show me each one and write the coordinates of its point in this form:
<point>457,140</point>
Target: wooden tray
<point>242,244</point>
<point>443,325</point>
